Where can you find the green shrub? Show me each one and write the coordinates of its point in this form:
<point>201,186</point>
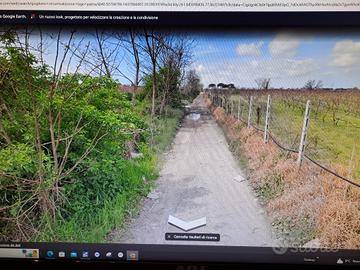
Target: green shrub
<point>273,186</point>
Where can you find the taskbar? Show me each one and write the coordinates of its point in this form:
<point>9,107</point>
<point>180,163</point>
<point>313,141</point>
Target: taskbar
<point>183,18</point>
<point>177,253</point>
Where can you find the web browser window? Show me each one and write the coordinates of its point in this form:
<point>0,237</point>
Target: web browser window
<point>172,131</point>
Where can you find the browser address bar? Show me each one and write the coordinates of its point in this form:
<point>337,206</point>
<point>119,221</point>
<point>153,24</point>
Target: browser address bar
<point>186,5</point>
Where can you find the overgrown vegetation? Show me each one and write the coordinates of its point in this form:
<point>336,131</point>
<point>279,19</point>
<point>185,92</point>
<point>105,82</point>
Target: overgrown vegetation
<point>303,204</point>
<point>76,154</point>
<point>273,186</point>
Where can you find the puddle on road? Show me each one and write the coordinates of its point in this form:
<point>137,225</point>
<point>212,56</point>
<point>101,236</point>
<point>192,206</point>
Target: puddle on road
<point>193,116</point>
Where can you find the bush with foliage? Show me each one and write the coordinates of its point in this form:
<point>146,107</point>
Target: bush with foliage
<point>63,145</point>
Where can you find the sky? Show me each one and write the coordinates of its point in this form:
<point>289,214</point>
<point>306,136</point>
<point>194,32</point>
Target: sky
<point>288,58</point>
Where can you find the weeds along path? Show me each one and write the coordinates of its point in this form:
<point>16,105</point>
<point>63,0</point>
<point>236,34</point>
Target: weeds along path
<point>200,178</point>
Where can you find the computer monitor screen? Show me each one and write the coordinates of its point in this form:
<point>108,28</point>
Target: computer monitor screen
<point>127,135</point>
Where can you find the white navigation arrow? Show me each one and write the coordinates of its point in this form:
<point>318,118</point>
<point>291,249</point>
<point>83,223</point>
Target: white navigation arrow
<point>186,226</point>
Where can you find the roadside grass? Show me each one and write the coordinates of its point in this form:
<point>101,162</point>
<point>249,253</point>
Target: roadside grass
<point>303,204</point>
<point>93,227</point>
<point>140,172</point>
<point>235,148</point>
<point>273,187</point>
<point>164,129</point>
<point>294,233</point>
<point>332,142</point>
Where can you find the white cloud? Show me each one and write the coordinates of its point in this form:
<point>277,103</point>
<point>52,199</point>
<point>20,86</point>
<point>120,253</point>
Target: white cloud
<point>291,69</point>
<point>301,67</point>
<point>346,54</point>
<point>250,49</point>
<point>284,45</point>
<point>199,68</point>
<point>254,63</point>
<point>283,72</point>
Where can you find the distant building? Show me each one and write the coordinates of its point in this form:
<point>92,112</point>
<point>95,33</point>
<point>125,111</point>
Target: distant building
<point>130,88</point>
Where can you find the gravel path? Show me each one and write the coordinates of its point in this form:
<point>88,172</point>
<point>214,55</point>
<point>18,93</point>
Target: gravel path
<point>200,178</point>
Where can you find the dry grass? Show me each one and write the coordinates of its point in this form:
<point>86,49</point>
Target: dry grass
<point>339,221</point>
<point>313,203</point>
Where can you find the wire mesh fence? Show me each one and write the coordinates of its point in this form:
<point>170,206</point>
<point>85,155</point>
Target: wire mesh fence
<point>287,122</point>
<point>334,136</point>
<point>326,133</point>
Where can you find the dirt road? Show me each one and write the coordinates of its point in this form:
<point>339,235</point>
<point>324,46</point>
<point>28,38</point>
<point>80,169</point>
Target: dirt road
<point>200,178</point>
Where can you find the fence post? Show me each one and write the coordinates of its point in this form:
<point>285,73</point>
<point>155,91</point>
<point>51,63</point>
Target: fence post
<point>250,111</point>
<point>267,120</point>
<point>304,133</point>
<point>351,161</point>
<point>227,106</point>
<point>239,108</point>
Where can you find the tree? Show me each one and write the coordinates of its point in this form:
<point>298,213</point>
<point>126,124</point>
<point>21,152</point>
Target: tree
<point>263,83</point>
<point>154,43</point>
<point>131,40</point>
<point>168,81</point>
<point>135,54</point>
<point>174,58</point>
<point>192,85</point>
<point>169,56</point>
<point>313,84</point>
